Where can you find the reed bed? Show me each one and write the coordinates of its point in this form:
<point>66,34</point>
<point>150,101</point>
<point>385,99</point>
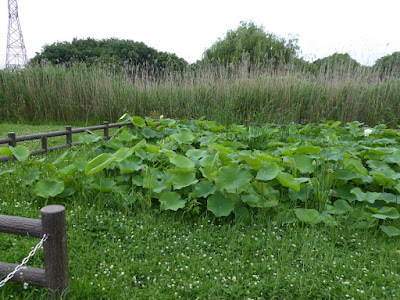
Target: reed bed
<point>227,94</point>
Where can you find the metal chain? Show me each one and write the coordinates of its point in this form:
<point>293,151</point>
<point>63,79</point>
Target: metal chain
<point>24,261</point>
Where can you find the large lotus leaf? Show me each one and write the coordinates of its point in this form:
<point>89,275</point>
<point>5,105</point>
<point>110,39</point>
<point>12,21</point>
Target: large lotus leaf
<point>214,127</point>
<point>46,188</point>
<point>122,154</point>
<point>130,165</point>
<point>310,216</point>
<point>253,162</point>
<point>382,151</point>
<point>183,179</point>
<point>124,118</point>
<point>365,197</point>
<point>182,162</point>
<point>232,179</point>
<point>266,190</point>
<point>289,181</point>
<point>89,139</point>
<point>196,153</point>
<point>148,133</point>
<point>204,189</point>
<point>309,149</point>
<point>185,135</point>
<point>99,163</point>
<point>138,121</point>
<point>67,171</point>
<point>209,172</point>
<point>104,185</point>
<point>20,152</point>
<point>172,201</point>
<point>385,212</point>
<point>346,175</point>
<point>357,165</point>
<point>304,163</point>
<point>125,136</point>
<point>269,172</point>
<point>211,159</point>
<point>390,230</point>
<point>220,205</point>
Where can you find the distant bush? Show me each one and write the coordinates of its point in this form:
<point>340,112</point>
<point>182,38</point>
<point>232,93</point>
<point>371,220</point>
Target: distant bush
<point>107,52</point>
<point>388,65</point>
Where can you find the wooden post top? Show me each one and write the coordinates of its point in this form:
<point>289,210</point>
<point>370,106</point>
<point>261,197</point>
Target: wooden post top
<point>52,209</point>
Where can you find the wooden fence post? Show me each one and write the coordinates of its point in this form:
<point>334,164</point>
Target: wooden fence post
<point>68,136</point>
<point>44,143</point>
<point>13,142</point>
<point>55,249</point>
<point>106,130</point>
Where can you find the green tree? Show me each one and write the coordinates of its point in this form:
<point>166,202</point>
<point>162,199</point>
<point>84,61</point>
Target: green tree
<point>108,51</point>
<point>388,65</point>
<point>336,62</point>
<point>252,40</point>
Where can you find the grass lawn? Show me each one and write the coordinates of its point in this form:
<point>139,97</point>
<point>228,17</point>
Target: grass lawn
<point>121,249</point>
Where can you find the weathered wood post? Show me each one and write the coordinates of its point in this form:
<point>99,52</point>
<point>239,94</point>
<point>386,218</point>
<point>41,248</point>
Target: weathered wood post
<point>13,142</point>
<point>68,135</point>
<point>55,249</point>
<point>106,130</point>
<point>44,143</point>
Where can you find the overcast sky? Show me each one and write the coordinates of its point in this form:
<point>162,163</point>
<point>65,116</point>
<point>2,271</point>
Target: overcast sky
<point>365,29</point>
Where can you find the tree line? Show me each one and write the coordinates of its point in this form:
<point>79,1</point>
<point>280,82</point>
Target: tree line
<point>247,41</point>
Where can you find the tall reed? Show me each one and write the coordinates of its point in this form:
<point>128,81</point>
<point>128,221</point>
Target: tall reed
<point>234,93</point>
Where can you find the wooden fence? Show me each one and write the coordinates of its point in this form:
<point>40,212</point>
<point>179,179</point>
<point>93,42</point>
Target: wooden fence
<point>12,139</point>
<point>54,276</point>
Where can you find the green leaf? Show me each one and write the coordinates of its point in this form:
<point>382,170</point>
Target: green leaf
<point>232,179</point>
<point>304,163</point>
<point>385,212</point>
<point>204,188</point>
<point>67,171</point>
<point>89,139</point>
<point>220,205</point>
<point>184,179</point>
<point>196,153</point>
<point>357,165</point>
<point>122,154</point>
<point>99,163</point>
<point>6,171</point>
<point>130,165</point>
<point>46,188</point>
<point>104,185</point>
<point>390,230</point>
<point>289,181</point>
<point>5,151</point>
<point>185,135</point>
<point>148,133</point>
<point>20,152</point>
<point>269,172</point>
<point>61,158</point>
<point>365,197</point>
<point>171,201</point>
<point>310,216</point>
<point>182,162</point>
<point>342,205</point>
<point>138,121</point>
<point>125,136</point>
<point>124,118</point>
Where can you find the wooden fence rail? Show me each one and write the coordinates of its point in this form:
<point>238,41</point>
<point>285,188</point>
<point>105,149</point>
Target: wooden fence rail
<point>54,276</point>
<point>13,139</point>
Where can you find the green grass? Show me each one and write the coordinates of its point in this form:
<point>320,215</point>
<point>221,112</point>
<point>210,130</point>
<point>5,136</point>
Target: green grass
<point>118,250</point>
<point>225,94</point>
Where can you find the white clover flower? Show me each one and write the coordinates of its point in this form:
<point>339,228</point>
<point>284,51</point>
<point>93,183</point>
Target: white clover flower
<point>367,131</point>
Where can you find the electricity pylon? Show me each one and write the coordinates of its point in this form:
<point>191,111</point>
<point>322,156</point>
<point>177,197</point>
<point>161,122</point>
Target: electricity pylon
<point>16,52</point>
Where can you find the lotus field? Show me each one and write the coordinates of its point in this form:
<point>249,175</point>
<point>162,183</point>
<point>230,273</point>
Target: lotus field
<point>327,173</point>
